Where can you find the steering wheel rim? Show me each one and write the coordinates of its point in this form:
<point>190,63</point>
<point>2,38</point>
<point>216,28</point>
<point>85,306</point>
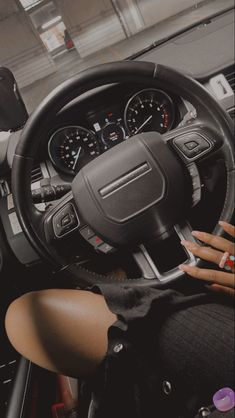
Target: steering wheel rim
<point>116,72</point>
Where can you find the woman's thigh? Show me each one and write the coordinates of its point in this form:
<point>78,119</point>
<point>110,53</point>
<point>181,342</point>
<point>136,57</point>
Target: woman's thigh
<point>62,330</point>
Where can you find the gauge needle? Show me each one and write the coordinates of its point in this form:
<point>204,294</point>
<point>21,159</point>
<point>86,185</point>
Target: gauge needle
<point>76,158</point>
<point>143,124</point>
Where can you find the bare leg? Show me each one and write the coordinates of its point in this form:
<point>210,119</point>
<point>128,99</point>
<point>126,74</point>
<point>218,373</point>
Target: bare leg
<point>61,330</point>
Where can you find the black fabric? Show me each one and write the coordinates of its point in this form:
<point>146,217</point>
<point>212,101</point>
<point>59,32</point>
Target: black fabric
<point>163,336</point>
<point>217,414</point>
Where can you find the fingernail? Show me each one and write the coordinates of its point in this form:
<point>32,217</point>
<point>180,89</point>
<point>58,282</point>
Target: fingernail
<point>222,223</point>
<point>182,267</point>
<point>223,260</point>
<point>224,399</point>
<point>196,233</point>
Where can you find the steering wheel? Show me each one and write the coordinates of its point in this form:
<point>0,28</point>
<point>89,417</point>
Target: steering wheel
<point>148,195</point>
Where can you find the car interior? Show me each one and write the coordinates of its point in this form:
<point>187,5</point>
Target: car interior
<point>82,180</point>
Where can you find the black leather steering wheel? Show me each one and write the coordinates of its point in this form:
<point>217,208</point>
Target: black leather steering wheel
<point>114,205</point>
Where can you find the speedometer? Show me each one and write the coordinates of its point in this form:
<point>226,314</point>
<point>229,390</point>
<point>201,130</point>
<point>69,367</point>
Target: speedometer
<point>149,110</point>
<point>72,147</point>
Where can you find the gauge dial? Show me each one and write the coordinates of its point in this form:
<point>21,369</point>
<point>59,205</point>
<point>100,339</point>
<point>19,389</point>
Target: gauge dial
<point>72,147</point>
<point>149,110</point>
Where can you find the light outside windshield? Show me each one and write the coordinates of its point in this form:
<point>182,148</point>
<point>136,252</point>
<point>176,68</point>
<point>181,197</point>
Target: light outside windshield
<point>47,41</point>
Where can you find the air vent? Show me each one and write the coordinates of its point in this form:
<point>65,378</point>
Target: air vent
<point>36,173</point>
<point>229,74</point>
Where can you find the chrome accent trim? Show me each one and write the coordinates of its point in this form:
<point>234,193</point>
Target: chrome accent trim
<point>126,179</point>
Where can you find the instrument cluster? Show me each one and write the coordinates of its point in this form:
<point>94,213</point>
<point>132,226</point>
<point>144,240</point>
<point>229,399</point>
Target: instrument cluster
<point>73,146</point>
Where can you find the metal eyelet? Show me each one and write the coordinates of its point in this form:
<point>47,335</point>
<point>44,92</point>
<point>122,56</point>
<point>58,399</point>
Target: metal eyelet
<point>118,348</point>
<point>166,387</point>
<point>204,412</point>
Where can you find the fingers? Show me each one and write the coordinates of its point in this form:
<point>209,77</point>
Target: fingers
<point>217,288</point>
<point>213,276</point>
<point>221,281</point>
<point>217,242</point>
<point>206,253</point>
<point>230,229</point>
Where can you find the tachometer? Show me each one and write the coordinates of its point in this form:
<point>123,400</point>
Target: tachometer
<point>149,110</point>
<point>72,147</point>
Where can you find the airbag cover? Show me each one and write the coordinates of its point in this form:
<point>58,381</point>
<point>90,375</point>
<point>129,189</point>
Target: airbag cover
<point>125,184</point>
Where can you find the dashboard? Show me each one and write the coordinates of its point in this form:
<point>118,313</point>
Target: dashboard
<point>96,121</point>
<point>117,113</point>
<point>84,129</point>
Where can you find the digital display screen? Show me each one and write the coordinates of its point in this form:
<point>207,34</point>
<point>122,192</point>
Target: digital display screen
<point>108,126</point>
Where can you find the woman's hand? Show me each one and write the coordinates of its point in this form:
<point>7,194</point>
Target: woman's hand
<point>221,281</point>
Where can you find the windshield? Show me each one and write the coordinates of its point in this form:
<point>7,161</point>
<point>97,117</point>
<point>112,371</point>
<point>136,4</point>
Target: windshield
<point>55,39</point>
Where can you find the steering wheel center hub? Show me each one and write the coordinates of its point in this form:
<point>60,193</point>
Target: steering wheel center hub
<point>133,191</point>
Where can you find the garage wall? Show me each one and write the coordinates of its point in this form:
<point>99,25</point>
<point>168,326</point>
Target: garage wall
<point>7,8</point>
<point>132,16</point>
<point>21,49</point>
<point>92,28</point>
<point>154,11</point>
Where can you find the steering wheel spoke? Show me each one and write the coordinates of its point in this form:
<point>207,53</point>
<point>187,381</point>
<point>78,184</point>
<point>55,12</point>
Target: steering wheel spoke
<point>184,231</point>
<point>148,266</point>
<point>145,263</point>
<point>193,142</point>
<point>61,219</point>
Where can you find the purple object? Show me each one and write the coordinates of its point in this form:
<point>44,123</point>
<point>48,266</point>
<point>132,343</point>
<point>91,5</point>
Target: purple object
<point>224,399</point>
